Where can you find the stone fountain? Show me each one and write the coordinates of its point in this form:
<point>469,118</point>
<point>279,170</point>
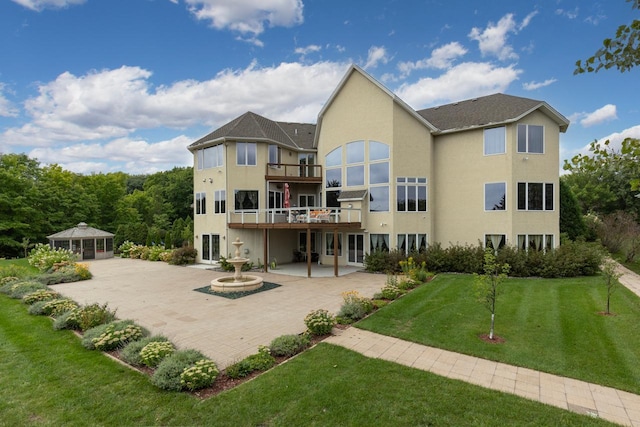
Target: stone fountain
<point>238,282</point>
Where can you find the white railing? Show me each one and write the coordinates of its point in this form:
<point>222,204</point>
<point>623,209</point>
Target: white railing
<point>295,215</point>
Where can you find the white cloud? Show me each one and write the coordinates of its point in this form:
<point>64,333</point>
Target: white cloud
<point>248,16</point>
<point>376,55</point>
<point>538,85</point>
<point>38,5</point>
<point>123,154</point>
<point>6,107</point>
<point>441,58</point>
<point>493,39</point>
<point>467,80</point>
<point>571,14</point>
<point>601,115</point>
<point>303,51</point>
<point>108,104</point>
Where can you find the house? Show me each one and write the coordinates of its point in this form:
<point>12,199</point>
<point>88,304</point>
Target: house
<point>375,174</point>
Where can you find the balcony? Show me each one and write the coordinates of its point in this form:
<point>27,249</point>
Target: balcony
<point>293,172</point>
<point>296,218</point>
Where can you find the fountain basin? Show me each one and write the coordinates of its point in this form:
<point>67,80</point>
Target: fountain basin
<point>231,284</point>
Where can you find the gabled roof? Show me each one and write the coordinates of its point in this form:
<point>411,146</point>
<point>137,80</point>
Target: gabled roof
<point>355,69</point>
<point>253,127</point>
<point>81,231</point>
<point>488,110</point>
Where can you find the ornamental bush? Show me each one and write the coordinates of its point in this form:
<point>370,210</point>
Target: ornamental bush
<point>319,322</point>
<point>40,295</point>
<point>288,345</point>
<point>200,375</point>
<point>183,256</point>
<point>17,290</point>
<point>355,307</point>
<point>260,361</point>
<point>153,353</point>
<point>125,248</point>
<point>112,336</point>
<point>56,307</point>
<point>44,257</point>
<point>131,352</point>
<point>169,372</point>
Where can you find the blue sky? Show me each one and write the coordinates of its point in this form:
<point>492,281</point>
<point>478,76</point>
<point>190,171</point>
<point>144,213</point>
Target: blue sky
<point>126,85</point>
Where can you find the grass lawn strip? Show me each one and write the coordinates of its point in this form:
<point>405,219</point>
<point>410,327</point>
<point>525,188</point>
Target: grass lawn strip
<point>50,379</point>
<point>551,325</point>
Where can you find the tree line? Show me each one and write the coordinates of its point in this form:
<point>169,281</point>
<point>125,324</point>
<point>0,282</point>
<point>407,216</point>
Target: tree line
<point>38,200</point>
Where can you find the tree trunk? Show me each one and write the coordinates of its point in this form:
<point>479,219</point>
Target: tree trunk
<point>491,331</point>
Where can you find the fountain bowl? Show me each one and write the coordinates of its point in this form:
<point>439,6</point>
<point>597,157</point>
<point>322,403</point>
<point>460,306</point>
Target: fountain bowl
<point>238,282</point>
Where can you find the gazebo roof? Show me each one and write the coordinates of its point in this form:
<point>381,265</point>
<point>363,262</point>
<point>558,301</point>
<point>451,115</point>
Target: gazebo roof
<point>80,231</point>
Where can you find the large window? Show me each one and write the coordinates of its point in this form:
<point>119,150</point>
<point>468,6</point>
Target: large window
<point>378,243</point>
<point>408,243</point>
<point>495,241</point>
<point>246,200</point>
<point>246,153</point>
<point>220,202</point>
<point>355,163</point>
<point>330,243</point>
<point>378,177</point>
<point>535,196</point>
<point>495,196</point>
<point>201,203</point>
<point>274,154</point>
<point>210,246</point>
<point>530,139</point>
<point>411,194</point>
<point>495,141</point>
<point>211,157</point>
<point>307,200</point>
<point>536,242</point>
<point>276,199</point>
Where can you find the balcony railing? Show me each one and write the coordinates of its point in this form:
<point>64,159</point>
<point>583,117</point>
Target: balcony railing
<point>295,172</point>
<point>311,215</point>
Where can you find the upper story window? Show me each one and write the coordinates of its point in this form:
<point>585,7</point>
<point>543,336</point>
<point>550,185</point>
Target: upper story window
<point>379,177</point>
<point>246,153</point>
<point>535,196</point>
<point>275,154</point>
<point>246,200</point>
<point>220,201</point>
<point>201,203</point>
<point>495,141</point>
<point>495,196</point>
<point>211,157</point>
<point>355,163</point>
<point>530,139</point>
<point>411,194</point>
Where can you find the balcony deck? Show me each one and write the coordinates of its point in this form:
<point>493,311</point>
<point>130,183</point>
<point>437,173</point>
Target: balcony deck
<point>296,218</point>
<point>293,172</point>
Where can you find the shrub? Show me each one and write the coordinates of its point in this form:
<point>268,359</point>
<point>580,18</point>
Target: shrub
<point>201,375</point>
<point>64,273</point>
<point>131,352</point>
<point>19,289</point>
<point>288,345</point>
<point>112,335</point>
<point>12,271</point>
<point>82,271</point>
<point>44,257</point>
<point>37,308</point>
<point>153,353</point>
<point>84,318</point>
<point>319,322</point>
<point>66,321</point>
<point>354,307</point>
<point>56,307</point>
<point>125,248</point>
<point>183,256</point>
<point>167,376</point>
<point>390,291</point>
<point>40,295</point>
<point>260,361</point>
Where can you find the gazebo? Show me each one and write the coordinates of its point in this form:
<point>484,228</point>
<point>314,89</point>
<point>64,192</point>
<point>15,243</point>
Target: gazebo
<point>88,242</point>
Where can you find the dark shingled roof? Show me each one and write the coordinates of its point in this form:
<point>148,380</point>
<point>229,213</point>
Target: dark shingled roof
<point>81,231</point>
<point>487,110</point>
<point>253,126</point>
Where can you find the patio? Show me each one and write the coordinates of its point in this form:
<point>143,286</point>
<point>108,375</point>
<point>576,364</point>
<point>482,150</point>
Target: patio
<point>161,298</point>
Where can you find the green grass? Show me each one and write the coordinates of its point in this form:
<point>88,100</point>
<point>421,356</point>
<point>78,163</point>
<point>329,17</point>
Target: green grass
<point>49,379</point>
<point>551,325</point>
<point>20,262</point>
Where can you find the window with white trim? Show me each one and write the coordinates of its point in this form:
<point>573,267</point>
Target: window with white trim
<point>536,242</point>
<point>378,243</point>
<point>220,201</point>
<point>333,177</point>
<point>246,153</point>
<point>201,203</point>
<point>408,243</point>
<point>495,241</point>
<point>531,139</point>
<point>246,200</point>
<point>379,177</point>
<point>535,196</point>
<point>495,141</point>
<point>495,196</point>
<point>275,155</point>
<point>411,194</point>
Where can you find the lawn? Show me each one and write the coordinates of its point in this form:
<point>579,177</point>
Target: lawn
<point>21,262</point>
<point>551,325</point>
<point>48,378</point>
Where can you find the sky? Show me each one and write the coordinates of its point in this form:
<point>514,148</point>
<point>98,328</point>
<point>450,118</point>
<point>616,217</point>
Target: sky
<point>100,86</point>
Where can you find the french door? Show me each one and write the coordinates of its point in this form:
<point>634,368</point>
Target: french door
<point>355,252</point>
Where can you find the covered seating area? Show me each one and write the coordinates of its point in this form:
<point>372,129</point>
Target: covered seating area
<point>88,242</point>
